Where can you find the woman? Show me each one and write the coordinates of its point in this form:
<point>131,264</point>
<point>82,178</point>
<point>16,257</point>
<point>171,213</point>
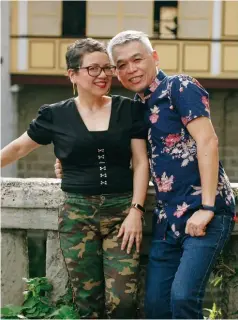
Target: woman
<point>95,137</point>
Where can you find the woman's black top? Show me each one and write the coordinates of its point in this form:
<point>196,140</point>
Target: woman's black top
<point>93,162</point>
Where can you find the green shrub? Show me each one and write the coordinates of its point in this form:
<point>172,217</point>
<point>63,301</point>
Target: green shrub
<point>38,305</point>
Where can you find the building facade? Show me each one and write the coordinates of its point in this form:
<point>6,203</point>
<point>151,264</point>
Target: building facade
<point>199,38</point>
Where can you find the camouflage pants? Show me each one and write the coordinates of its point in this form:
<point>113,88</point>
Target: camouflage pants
<point>102,276</point>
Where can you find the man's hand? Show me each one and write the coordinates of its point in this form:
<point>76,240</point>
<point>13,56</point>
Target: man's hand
<point>196,225</point>
<point>132,230</point>
<point>58,169</point>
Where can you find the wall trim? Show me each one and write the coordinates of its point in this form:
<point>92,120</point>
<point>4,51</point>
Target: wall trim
<point>64,81</point>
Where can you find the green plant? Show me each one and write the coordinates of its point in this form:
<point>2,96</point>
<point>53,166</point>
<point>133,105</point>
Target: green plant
<point>214,313</point>
<point>224,278</point>
<point>38,305</point>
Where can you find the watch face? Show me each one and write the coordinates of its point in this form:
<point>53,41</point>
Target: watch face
<point>138,206</point>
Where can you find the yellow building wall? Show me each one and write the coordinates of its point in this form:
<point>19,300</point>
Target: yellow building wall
<point>106,20</point>
<point>230,20</point>
<point>195,19</point>
<point>45,53</point>
<point>14,18</point>
<point>44,18</point>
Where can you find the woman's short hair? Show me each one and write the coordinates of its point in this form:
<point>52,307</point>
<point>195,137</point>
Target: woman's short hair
<point>77,50</point>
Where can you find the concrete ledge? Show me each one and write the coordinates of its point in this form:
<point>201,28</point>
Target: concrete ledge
<point>34,203</point>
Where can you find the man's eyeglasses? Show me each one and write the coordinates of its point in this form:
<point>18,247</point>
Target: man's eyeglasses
<point>95,71</point>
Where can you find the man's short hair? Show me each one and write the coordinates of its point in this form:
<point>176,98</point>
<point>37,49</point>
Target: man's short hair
<point>126,37</point>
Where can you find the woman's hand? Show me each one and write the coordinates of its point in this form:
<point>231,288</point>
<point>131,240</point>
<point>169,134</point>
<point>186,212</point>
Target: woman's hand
<point>131,229</point>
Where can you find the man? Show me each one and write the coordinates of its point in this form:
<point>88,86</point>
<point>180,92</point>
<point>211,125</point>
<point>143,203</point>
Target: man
<point>195,206</point>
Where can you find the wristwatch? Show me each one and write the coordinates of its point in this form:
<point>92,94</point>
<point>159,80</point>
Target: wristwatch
<point>209,208</point>
<point>138,207</point>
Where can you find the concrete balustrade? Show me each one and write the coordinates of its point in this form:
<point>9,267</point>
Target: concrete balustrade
<point>33,204</point>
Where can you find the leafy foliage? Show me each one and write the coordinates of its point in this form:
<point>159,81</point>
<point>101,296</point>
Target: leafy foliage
<point>224,278</point>
<point>214,313</point>
<point>38,305</point>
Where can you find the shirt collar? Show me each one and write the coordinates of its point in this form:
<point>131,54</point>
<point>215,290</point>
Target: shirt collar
<point>154,85</point>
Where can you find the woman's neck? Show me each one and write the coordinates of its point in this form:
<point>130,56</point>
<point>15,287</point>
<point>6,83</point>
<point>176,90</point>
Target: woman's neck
<point>90,102</point>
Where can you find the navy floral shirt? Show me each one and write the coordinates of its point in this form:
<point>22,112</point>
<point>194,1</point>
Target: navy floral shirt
<point>171,103</point>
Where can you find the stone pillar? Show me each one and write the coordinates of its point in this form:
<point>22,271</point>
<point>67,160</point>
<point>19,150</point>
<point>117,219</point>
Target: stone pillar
<point>14,266</point>
<point>8,107</point>
<point>56,270</point>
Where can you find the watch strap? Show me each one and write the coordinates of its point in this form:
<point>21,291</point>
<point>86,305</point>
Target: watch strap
<point>206,207</point>
<point>138,207</point>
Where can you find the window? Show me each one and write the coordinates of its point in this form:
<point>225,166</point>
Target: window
<point>74,18</point>
<point>165,19</point>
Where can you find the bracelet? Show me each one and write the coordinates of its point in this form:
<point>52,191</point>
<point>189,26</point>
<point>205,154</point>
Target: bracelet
<point>138,207</point>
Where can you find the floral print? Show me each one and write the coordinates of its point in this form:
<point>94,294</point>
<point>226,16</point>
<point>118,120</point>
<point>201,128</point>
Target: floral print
<point>184,81</point>
<point>181,147</point>
<point>185,120</point>
<point>164,183</point>
<point>153,155</point>
<point>224,189</point>
<point>154,117</point>
<point>181,210</point>
<point>172,103</point>
<point>154,85</point>
<point>172,139</point>
<point>205,101</point>
<point>176,232</point>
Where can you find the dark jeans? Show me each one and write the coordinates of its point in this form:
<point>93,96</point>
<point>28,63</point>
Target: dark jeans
<point>179,269</point>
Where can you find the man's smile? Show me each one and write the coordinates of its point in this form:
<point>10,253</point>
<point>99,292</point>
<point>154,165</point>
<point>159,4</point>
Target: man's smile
<point>136,79</point>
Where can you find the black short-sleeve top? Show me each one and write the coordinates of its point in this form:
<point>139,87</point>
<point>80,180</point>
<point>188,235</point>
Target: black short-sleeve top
<point>93,162</point>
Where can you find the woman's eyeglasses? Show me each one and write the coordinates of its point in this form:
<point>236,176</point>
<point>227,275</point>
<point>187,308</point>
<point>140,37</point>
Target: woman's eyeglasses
<point>95,71</point>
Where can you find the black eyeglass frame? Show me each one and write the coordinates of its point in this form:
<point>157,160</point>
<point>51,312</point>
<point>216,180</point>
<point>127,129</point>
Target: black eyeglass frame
<point>111,67</point>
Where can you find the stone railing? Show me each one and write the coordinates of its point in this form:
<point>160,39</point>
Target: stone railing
<point>33,204</point>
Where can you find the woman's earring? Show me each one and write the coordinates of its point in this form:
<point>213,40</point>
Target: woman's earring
<point>74,91</point>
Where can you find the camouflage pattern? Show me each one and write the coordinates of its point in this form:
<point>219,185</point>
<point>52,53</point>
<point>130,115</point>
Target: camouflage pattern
<point>102,276</point>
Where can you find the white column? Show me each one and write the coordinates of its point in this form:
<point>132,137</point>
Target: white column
<point>8,107</point>
<point>22,57</point>
<point>216,34</point>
